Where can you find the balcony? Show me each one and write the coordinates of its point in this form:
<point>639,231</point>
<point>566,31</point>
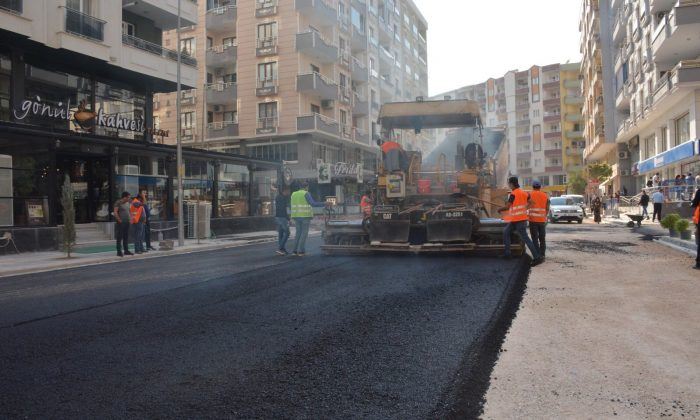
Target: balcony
<point>319,12</point>
<point>316,85</point>
<point>553,152</point>
<point>523,155</point>
<point>344,58</point>
<point>572,84</point>
<point>521,123</point>
<point>359,70</point>
<point>522,90</point>
<point>222,19</point>
<point>12,6</point>
<point>312,44</point>
<point>551,102</point>
<point>552,117</point>
<point>360,106</point>
<point>267,87</point>
<point>552,135</point>
<point>386,60</point>
<point>266,46</point>
<point>318,123</point>
<point>265,8</point>
<point>524,137</point>
<point>675,38</point>
<point>574,134</point>
<point>359,39</point>
<point>267,125</point>
<point>656,6</point>
<point>386,32</point>
<point>188,135</point>
<point>221,93</point>
<point>156,49</point>
<point>344,95</point>
<point>524,171</point>
<point>346,132</point>
<point>523,106</point>
<point>552,84</point>
<point>222,129</point>
<point>162,14</point>
<point>573,100</point>
<point>574,117</point>
<point>550,169</point>
<point>573,167</point>
<point>222,56</point>
<point>84,25</point>
<point>574,151</point>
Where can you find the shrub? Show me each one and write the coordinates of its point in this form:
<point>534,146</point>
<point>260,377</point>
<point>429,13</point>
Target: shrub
<point>669,221</point>
<point>682,225</point>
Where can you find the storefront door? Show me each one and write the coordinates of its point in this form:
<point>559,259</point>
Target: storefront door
<point>89,177</point>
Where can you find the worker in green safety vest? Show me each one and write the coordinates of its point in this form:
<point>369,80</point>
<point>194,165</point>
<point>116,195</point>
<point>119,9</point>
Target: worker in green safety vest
<point>302,213</point>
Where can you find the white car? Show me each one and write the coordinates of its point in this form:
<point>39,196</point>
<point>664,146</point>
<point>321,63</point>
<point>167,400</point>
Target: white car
<point>562,208</point>
<point>578,199</point>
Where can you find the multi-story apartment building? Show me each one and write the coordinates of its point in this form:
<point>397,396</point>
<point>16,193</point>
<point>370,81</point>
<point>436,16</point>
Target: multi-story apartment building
<point>540,111</point>
<point>599,131</point>
<point>300,81</point>
<point>657,88</point>
<point>77,80</point>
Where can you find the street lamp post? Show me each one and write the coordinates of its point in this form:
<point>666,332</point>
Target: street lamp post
<point>180,193</point>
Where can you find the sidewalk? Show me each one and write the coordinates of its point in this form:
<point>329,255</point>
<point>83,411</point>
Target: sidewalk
<point>37,262</point>
<point>607,328</point>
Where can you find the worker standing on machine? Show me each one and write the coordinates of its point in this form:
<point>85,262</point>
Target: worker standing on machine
<point>366,204</point>
<point>537,216</point>
<point>393,154</point>
<point>518,202</point>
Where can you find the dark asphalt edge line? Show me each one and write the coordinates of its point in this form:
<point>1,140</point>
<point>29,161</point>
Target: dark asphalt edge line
<point>466,397</point>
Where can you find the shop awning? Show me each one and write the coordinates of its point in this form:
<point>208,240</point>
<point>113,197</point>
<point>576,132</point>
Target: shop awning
<point>681,152</point>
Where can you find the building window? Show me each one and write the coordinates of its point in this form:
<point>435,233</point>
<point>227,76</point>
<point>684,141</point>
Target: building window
<point>128,29</point>
<point>187,120</point>
<point>682,130</point>
<point>536,138</point>
<point>535,97</point>
<point>210,42</point>
<point>231,116</point>
<point>228,41</point>
<point>544,180</point>
<point>664,139</point>
<point>315,109</point>
<point>649,146</point>
<point>187,46</point>
<point>267,74</point>
<point>278,152</point>
<point>267,114</point>
<point>536,113</point>
<point>267,34</point>
<point>560,179</point>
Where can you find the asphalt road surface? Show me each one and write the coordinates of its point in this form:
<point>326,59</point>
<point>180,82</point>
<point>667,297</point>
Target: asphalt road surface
<point>243,333</point>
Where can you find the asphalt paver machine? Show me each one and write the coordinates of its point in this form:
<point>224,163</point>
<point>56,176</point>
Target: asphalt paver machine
<point>437,208</point>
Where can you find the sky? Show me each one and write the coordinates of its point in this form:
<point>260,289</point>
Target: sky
<point>472,40</point>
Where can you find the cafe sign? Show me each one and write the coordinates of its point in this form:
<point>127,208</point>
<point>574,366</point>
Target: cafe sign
<point>83,117</point>
<point>343,169</point>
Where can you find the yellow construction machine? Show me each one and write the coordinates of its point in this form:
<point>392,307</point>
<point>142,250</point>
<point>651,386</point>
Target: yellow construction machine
<point>447,207</point>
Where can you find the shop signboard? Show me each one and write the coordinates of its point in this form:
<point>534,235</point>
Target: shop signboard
<point>323,172</point>
<point>683,151</point>
<point>82,117</point>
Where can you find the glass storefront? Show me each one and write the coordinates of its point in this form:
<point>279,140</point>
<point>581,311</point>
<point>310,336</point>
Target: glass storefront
<point>263,192</point>
<point>233,188</point>
<point>24,184</point>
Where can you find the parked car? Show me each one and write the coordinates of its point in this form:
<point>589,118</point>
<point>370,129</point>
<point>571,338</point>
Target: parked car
<point>564,209</point>
<point>578,199</point>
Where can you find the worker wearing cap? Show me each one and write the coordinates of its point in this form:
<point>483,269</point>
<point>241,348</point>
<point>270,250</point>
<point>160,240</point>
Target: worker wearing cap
<point>537,216</point>
<point>516,216</point>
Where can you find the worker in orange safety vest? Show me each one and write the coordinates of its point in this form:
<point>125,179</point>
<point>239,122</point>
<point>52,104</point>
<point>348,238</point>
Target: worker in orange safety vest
<point>366,204</point>
<point>537,216</point>
<point>696,220</point>
<point>138,219</point>
<point>516,217</point>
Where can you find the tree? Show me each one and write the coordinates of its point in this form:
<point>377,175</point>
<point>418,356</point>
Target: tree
<point>599,171</point>
<point>68,216</point>
<point>577,184</point>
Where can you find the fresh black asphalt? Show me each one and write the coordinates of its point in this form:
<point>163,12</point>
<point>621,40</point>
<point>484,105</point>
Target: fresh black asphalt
<point>242,333</point>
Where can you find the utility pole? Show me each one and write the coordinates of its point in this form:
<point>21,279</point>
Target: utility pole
<point>180,166</point>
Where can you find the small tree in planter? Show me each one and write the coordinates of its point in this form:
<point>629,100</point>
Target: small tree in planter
<point>68,216</point>
<point>682,226</point>
<point>669,222</point>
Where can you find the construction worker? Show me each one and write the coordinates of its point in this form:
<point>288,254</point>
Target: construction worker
<point>392,154</point>
<point>696,220</point>
<point>537,216</point>
<point>138,219</point>
<point>366,204</point>
<point>518,202</point>
<point>302,213</point>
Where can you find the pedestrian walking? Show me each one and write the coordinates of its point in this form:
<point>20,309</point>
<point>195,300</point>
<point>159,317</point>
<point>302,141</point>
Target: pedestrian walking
<point>597,207</point>
<point>138,220</point>
<point>658,200</point>
<point>122,217</point>
<point>302,213</point>
<point>537,217</point>
<point>696,219</point>
<point>282,220</point>
<point>518,202</point>
<point>147,225</point>
<point>644,202</point>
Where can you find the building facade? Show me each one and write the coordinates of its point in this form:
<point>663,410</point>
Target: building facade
<point>657,89</point>
<point>301,82</point>
<point>539,109</point>
<point>77,81</point>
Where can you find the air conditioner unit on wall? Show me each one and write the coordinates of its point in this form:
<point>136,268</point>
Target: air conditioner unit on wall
<point>327,103</point>
<point>623,155</point>
<point>217,108</point>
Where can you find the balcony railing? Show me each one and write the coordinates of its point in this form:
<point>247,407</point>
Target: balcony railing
<point>267,87</point>
<point>12,6</point>
<point>267,125</point>
<point>81,24</point>
<point>156,49</point>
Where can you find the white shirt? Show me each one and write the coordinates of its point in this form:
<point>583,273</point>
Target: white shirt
<point>657,197</point>
<point>697,180</point>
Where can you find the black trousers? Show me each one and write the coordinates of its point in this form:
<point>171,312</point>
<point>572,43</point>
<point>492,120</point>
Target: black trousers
<point>657,211</point>
<point>121,231</point>
<point>147,234</point>
<point>538,234</point>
